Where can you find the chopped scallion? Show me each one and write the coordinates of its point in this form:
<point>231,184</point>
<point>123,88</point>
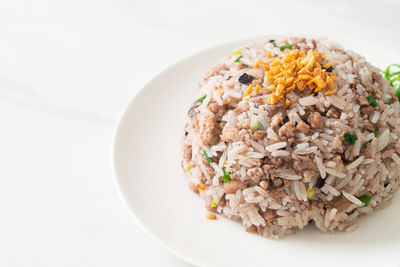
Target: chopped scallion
<point>390,102</point>
<point>238,59</point>
<point>283,47</point>
<point>350,138</point>
<point>206,156</point>
<point>310,193</point>
<point>372,100</point>
<point>254,126</point>
<point>260,126</point>
<point>213,204</point>
<point>365,199</point>
<point>201,99</point>
<point>227,175</point>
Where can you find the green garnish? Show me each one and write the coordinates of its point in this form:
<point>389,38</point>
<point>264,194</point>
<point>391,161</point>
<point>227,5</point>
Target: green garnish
<point>283,47</point>
<point>392,74</point>
<point>310,193</point>
<point>390,102</point>
<point>213,204</point>
<point>244,65</point>
<point>372,100</point>
<point>238,59</point>
<point>254,123</point>
<point>350,138</point>
<point>201,99</point>
<point>207,157</point>
<point>336,228</point>
<point>227,175</point>
<point>365,199</point>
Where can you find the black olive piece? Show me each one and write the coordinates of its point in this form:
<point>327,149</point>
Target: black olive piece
<point>272,40</point>
<point>186,133</point>
<point>245,78</point>
<point>320,183</point>
<point>330,69</point>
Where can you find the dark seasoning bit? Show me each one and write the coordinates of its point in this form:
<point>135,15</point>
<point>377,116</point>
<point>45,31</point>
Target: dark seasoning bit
<point>330,69</point>
<point>186,133</point>
<point>245,78</point>
<point>320,183</point>
<point>272,41</point>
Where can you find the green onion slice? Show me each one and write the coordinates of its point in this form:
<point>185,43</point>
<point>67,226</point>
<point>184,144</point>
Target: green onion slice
<point>213,204</point>
<point>350,138</point>
<point>201,99</point>
<point>365,199</point>
<point>372,100</point>
<point>254,126</point>
<point>238,59</point>
<point>310,193</point>
<point>227,175</point>
<point>283,47</point>
<point>206,156</point>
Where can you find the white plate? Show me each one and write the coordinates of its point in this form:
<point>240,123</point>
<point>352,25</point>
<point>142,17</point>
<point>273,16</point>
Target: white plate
<point>147,157</point>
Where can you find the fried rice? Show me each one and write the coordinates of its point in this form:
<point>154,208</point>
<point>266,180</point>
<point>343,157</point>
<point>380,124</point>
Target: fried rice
<point>292,132</point>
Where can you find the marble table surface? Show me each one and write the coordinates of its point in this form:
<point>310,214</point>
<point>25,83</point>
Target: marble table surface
<point>67,70</point>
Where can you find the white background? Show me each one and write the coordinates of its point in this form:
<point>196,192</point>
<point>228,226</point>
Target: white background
<point>68,68</point>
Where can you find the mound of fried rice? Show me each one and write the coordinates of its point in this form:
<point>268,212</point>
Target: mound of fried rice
<point>292,132</point>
